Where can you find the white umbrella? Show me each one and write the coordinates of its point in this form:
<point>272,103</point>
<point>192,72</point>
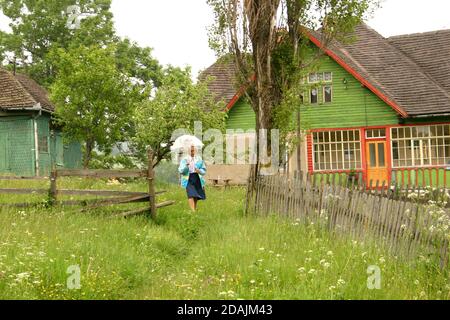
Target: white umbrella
<point>184,143</point>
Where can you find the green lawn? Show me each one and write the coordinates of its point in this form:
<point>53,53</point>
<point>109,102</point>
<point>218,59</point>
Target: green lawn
<point>217,253</point>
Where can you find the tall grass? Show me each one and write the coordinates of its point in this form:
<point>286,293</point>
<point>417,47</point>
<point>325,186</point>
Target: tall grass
<point>217,253</point>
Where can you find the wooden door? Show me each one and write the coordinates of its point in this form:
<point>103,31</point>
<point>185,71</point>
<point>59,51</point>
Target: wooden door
<point>377,169</point>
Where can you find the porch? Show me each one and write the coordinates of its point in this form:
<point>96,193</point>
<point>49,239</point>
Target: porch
<point>406,155</point>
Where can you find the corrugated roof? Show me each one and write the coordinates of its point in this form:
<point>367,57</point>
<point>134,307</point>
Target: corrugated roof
<point>20,91</point>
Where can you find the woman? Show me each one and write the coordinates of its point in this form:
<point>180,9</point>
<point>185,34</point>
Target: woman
<point>192,170</point>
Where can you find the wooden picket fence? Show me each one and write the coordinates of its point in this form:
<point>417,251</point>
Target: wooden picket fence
<point>407,228</point>
<point>109,197</point>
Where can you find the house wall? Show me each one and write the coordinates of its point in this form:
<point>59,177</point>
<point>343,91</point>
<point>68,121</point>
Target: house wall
<point>241,116</point>
<point>352,105</point>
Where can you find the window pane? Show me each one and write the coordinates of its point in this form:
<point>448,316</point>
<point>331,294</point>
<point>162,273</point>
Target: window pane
<point>394,133</point>
<point>313,77</point>
<point>314,96</point>
<point>327,94</point>
<point>357,135</point>
<point>373,156</point>
<point>381,156</point>
<point>328,76</point>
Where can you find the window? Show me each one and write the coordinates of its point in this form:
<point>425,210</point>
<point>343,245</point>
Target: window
<point>327,94</point>
<point>376,134</point>
<point>314,96</point>
<point>326,89</point>
<point>336,150</point>
<point>318,77</point>
<point>43,144</point>
<point>421,146</point>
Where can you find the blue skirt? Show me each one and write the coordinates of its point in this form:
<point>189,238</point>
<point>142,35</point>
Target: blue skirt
<point>194,188</point>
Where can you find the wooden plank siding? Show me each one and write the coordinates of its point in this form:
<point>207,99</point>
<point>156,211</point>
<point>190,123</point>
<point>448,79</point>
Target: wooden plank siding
<point>352,104</point>
<point>241,116</point>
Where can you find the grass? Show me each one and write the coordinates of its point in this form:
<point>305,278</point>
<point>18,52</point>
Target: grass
<point>217,253</point>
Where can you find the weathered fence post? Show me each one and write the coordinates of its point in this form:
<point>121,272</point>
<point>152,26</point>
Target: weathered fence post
<point>53,186</point>
<point>151,184</point>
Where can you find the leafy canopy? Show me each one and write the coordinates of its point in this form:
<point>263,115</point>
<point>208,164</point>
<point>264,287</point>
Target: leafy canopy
<point>177,104</point>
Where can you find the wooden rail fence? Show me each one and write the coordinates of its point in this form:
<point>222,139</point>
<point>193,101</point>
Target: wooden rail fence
<point>114,197</point>
<point>405,227</point>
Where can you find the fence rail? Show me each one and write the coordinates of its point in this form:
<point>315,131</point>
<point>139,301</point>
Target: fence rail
<point>405,227</point>
<point>118,197</point>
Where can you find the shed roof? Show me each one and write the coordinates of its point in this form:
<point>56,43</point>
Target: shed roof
<point>21,92</point>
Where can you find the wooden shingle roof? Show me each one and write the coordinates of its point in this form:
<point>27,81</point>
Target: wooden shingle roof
<point>223,84</point>
<point>395,76</point>
<point>410,73</point>
<point>21,92</point>
<point>430,50</point>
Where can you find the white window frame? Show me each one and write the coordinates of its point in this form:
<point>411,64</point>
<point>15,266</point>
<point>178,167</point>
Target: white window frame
<point>323,77</point>
<point>375,138</point>
<point>345,148</point>
<point>422,159</point>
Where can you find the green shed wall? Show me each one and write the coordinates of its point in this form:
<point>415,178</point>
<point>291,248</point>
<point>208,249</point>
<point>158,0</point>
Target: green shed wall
<point>241,116</point>
<point>17,146</point>
<point>45,158</point>
<point>73,155</point>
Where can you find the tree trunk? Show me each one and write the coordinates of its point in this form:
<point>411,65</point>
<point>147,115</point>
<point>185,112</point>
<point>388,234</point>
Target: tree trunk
<point>88,153</point>
<point>262,17</point>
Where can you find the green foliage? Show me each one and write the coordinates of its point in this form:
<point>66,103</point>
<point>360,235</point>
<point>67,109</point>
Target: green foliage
<point>108,161</point>
<point>282,60</point>
<point>38,27</point>
<point>177,104</point>
<point>93,99</point>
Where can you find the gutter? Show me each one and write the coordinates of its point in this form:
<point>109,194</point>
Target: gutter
<point>431,115</point>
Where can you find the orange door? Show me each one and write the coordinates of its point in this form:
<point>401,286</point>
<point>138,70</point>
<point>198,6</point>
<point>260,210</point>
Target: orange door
<point>377,169</point>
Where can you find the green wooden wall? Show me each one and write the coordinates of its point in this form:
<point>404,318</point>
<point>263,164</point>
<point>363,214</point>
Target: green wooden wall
<point>45,158</point>
<point>352,105</point>
<point>241,116</point>
<point>17,146</point>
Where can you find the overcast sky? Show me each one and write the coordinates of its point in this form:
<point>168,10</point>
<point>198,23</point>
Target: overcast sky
<point>176,29</point>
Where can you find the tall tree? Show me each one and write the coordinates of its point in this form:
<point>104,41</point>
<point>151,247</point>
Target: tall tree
<point>93,99</point>
<point>176,104</point>
<point>38,26</point>
<point>273,32</point>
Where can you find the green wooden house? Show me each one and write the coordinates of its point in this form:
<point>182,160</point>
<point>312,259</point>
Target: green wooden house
<point>380,106</point>
<point>30,144</point>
